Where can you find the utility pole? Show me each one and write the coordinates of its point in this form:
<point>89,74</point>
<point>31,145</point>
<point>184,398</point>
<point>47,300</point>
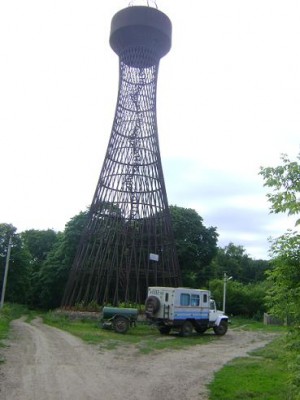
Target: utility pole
<point>226,278</point>
<point>6,272</point>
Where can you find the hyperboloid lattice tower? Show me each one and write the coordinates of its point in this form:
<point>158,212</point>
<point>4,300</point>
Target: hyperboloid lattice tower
<point>128,242</point>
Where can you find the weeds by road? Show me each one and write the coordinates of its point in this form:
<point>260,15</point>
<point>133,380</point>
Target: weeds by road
<point>262,376</point>
<point>145,337</point>
<point>50,364</point>
<point>7,314</point>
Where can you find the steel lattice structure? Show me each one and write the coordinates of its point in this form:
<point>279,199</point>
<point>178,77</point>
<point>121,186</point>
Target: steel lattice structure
<point>128,242</point>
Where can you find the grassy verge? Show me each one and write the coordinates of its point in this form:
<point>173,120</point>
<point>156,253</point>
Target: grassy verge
<point>261,376</point>
<point>8,313</point>
<point>251,325</point>
<point>145,337</point>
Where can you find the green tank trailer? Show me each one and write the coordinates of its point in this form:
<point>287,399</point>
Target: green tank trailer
<point>119,319</point>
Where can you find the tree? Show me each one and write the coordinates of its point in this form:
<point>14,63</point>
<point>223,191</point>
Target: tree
<point>18,279</point>
<point>234,260</point>
<point>285,182</point>
<point>196,245</point>
<point>284,294</point>
<point>284,297</point>
<point>243,300</point>
<point>231,259</point>
<point>39,243</point>
<point>54,272</point>
<point>6,231</point>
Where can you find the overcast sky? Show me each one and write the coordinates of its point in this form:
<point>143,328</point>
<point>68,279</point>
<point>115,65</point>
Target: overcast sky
<point>228,103</point>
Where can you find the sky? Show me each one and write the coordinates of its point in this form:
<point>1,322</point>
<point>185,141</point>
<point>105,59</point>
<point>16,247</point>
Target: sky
<point>227,103</point>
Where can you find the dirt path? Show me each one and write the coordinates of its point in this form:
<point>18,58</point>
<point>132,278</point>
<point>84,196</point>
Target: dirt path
<point>44,363</point>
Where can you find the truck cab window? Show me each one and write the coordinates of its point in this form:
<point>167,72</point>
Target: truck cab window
<point>167,297</point>
<point>195,300</point>
<point>184,299</point>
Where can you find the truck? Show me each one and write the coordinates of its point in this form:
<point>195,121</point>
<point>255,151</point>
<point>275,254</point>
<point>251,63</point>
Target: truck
<point>184,310</point>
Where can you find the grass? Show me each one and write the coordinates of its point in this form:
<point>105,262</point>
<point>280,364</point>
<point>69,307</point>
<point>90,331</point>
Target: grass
<point>144,337</point>
<point>252,325</point>
<point>8,313</point>
<point>261,376</point>
<point>264,375</point>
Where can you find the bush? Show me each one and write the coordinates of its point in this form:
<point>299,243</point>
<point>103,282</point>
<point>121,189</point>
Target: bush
<point>244,300</point>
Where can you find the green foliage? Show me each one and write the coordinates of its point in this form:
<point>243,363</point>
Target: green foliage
<point>41,260</point>
<point>245,294</point>
<point>91,306</point>
<point>244,300</point>
<point>272,372</point>
<point>283,298</point>
<point>235,262</point>
<point>293,358</point>
<point>250,324</point>
<point>196,245</point>
<point>262,376</point>
<point>38,243</point>
<point>144,337</point>
<point>6,231</point>
<point>29,251</point>
<point>8,313</point>
<point>285,182</point>
<point>18,279</point>
<point>139,307</point>
<point>54,272</point>
<point>284,294</point>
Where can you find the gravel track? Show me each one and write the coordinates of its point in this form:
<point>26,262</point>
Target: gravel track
<point>45,363</point>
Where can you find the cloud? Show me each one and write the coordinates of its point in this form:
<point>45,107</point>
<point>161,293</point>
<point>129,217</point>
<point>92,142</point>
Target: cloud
<point>236,206</point>
<point>227,103</point>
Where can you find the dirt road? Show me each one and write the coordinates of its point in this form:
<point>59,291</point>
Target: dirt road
<point>44,363</point>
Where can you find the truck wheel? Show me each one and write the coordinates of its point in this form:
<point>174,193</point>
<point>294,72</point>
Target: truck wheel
<point>121,324</point>
<point>165,330</point>
<point>186,329</point>
<point>200,330</point>
<point>152,304</point>
<point>221,329</point>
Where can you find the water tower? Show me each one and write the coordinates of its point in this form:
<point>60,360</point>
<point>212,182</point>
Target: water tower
<point>128,242</point>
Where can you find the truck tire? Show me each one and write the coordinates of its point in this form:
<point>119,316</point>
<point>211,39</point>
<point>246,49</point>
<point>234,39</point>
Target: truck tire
<point>221,329</point>
<point>152,304</point>
<point>200,330</point>
<point>186,329</point>
<point>164,330</point>
<point>121,324</point>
